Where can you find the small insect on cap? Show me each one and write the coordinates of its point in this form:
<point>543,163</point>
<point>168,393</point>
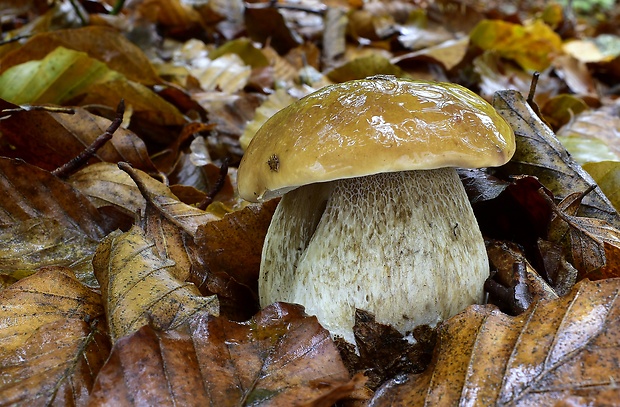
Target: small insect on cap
<point>369,126</point>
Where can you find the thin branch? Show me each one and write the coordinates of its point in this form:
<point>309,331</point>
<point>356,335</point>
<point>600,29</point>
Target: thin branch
<point>533,84</point>
<point>79,161</point>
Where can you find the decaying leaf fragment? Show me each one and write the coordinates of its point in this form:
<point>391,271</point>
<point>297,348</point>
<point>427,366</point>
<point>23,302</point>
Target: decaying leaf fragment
<point>557,350</point>
<point>281,357</point>
<point>539,153</point>
<point>138,286</point>
<point>52,340</point>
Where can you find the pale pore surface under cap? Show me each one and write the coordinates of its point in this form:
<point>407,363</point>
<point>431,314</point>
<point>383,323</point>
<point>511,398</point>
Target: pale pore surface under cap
<point>404,246</point>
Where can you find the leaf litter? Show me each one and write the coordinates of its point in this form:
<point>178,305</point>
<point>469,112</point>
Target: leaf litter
<point>195,79</point>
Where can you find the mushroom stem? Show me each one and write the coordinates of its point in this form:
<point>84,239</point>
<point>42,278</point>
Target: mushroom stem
<point>404,246</point>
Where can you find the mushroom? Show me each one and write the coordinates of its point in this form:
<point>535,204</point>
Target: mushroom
<point>373,214</point>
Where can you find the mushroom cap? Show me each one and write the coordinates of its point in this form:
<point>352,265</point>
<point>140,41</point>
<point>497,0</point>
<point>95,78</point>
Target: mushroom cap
<point>370,126</point>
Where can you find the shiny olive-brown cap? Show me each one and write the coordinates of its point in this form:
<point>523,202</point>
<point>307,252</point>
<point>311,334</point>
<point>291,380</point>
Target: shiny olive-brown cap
<point>369,126</point>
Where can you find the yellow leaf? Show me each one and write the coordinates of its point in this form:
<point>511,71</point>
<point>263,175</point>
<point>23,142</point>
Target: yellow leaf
<point>531,46</point>
<point>138,287</point>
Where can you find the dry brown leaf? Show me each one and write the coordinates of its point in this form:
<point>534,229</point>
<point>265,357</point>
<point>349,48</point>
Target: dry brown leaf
<point>557,350</point>
<point>170,242</point>
<point>187,217</point>
<point>539,153</point>
<point>279,358</point>
<point>44,221</point>
<point>138,287</point>
<point>52,340</point>
<point>107,185</point>
<point>102,43</point>
<point>230,254</point>
<point>55,138</point>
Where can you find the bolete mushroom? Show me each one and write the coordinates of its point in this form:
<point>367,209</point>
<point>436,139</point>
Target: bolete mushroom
<point>374,215</point>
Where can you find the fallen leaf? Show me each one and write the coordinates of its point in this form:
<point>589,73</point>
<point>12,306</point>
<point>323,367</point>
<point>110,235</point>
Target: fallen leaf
<point>138,287</point>
<point>607,176</point>
<point>56,138</point>
<point>556,350</point>
<point>230,254</point>
<point>539,153</point>
<point>279,358</point>
<point>363,67</point>
<point>515,284</point>
<point>53,340</point>
<point>44,221</point>
<point>186,217</point>
<point>107,185</point>
<point>102,43</point>
<point>532,45</point>
<point>449,53</point>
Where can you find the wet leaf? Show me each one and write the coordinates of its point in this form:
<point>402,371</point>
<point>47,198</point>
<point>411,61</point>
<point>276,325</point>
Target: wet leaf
<point>539,153</point>
<point>279,358</point>
<point>44,221</point>
<point>514,284</point>
<point>138,287</point>
<point>52,336</point>
<point>531,45</point>
<point>56,138</point>
<point>556,350</point>
<point>230,250</point>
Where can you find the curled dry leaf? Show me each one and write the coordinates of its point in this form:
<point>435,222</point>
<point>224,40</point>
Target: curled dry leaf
<point>44,221</point>
<point>52,340</point>
<point>107,185</point>
<point>557,350</point>
<point>138,287</point>
<point>187,217</point>
<point>539,153</point>
<point>281,357</point>
<point>594,244</point>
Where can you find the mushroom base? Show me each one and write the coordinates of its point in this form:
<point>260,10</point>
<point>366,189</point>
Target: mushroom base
<point>404,246</point>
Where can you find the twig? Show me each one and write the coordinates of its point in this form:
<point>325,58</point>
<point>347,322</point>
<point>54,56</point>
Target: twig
<point>79,161</point>
<point>533,84</point>
<point>30,108</point>
<point>219,184</point>
<point>15,39</point>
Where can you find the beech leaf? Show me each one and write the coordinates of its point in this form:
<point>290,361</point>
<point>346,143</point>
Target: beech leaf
<point>187,217</point>
<point>138,287</point>
<point>52,340</point>
<point>44,221</point>
<point>557,350</point>
<point>279,358</point>
<point>539,153</point>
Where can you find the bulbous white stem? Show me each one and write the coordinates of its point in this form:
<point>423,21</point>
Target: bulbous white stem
<point>404,246</point>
